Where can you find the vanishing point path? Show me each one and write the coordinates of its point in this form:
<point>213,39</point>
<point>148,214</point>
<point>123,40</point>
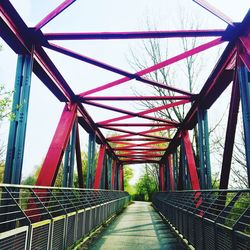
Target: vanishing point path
<point>138,227</point>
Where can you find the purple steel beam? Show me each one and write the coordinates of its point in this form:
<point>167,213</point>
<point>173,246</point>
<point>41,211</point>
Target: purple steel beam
<point>131,133</point>
<point>134,34</point>
<point>130,115</point>
<point>142,133</point>
<point>157,66</point>
<point>138,162</point>
<point>214,11</point>
<point>230,134</point>
<point>138,149</point>
<point>245,57</point>
<point>102,65</point>
<point>140,155</point>
<point>135,125</point>
<point>54,13</point>
<point>134,98</point>
<point>79,159</point>
<point>141,114</point>
<point>139,139</point>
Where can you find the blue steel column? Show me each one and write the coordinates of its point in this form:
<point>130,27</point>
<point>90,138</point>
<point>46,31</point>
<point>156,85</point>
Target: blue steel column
<point>109,172</point>
<point>243,75</point>
<point>118,177</point>
<point>69,160</point>
<point>175,168</point>
<point>167,176</point>
<point>17,131</point>
<point>204,153</point>
<point>91,161</point>
<point>184,167</point>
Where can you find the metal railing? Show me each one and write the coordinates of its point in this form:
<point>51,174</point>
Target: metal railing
<point>40,218</point>
<point>208,219</point>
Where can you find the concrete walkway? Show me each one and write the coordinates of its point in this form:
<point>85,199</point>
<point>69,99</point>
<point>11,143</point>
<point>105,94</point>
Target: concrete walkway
<point>138,227</point>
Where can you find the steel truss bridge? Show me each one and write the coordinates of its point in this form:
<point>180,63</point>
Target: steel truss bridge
<point>45,217</point>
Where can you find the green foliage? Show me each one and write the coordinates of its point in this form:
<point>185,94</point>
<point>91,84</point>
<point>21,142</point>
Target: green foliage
<point>128,175</point>
<point>145,188</point>
<point>5,101</point>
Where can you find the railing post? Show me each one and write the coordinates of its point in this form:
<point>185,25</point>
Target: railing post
<point>245,102</point>
<point>91,161</point>
<point>17,131</point>
<point>99,168</point>
<point>204,150</point>
<point>69,159</point>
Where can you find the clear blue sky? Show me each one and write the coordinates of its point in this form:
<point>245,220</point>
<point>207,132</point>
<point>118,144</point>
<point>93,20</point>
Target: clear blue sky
<point>95,15</point>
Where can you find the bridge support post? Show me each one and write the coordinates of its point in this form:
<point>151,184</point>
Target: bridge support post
<point>17,131</point>
<point>204,150</point>
<point>170,172</point>
<point>113,178</point>
<point>57,147</point>
<point>183,174</point>
<point>175,167</point>
<point>109,172</point>
<point>230,135</point>
<point>190,161</point>
<point>99,173</point>
<point>161,178</point>
<point>121,178</point>
<point>79,158</point>
<point>244,82</point>
<point>69,159</point>
<point>91,161</point>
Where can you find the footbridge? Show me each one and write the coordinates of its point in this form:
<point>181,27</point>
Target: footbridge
<point>187,211</point>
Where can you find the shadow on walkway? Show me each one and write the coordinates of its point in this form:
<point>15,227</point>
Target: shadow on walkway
<point>138,227</point>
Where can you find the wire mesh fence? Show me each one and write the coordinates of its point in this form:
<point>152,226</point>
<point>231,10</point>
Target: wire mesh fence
<point>53,218</point>
<point>208,219</point>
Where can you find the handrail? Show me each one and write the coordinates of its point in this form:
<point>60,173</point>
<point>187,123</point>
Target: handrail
<point>221,220</point>
<point>37,217</point>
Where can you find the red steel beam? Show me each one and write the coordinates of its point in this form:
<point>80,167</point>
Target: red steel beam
<point>54,13</point>
<point>99,167</point>
<point>139,139</point>
<point>190,161</point>
<point>139,149</point>
<point>134,34</point>
<point>139,155</point>
<point>112,69</point>
<point>142,133</point>
<point>157,66</point>
<point>48,172</point>
<point>140,114</point>
<point>131,133</point>
<point>134,125</point>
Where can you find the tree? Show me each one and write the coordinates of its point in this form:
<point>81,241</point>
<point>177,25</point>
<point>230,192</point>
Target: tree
<point>128,175</point>
<point>145,187</point>
<point>186,73</point>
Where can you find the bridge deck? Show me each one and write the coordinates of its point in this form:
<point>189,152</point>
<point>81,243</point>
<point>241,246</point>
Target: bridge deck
<point>138,227</point>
